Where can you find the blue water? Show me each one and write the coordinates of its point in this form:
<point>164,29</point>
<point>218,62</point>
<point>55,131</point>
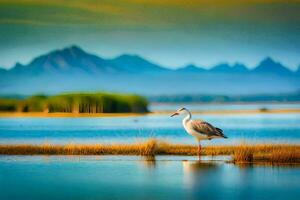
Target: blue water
<point>222,106</point>
<point>258,128</point>
<point>112,177</point>
<point>130,177</point>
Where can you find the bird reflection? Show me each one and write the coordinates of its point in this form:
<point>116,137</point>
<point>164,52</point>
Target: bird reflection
<point>196,174</point>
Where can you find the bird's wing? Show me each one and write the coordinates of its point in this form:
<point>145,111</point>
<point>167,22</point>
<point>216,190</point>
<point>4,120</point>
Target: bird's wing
<point>206,128</point>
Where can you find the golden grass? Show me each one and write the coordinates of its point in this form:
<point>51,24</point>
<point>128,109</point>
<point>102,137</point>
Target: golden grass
<point>147,148</point>
<point>279,153</point>
<point>243,153</point>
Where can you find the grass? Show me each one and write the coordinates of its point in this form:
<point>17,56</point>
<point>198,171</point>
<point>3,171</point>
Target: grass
<point>280,153</point>
<point>243,153</point>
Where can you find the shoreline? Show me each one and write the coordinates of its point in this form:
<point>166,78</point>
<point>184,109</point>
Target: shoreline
<point>217,112</point>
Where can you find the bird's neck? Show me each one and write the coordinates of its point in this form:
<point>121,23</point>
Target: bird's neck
<point>187,117</point>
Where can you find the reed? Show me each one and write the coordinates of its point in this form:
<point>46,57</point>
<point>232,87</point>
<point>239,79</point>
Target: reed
<point>276,153</point>
<point>243,153</point>
<point>146,148</point>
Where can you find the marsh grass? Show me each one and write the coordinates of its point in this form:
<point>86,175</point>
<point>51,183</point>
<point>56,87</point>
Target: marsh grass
<point>276,153</point>
<point>243,153</point>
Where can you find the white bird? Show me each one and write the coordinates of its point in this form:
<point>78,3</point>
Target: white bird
<point>199,129</point>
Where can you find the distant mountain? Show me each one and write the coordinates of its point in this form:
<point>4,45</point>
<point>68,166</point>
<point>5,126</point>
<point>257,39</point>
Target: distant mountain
<point>191,69</point>
<point>268,65</point>
<point>75,60</point>
<point>223,67</point>
<point>135,64</point>
<point>73,69</point>
<point>298,70</point>
<point>68,60</point>
<point>2,71</point>
<point>240,68</point>
<point>226,68</point>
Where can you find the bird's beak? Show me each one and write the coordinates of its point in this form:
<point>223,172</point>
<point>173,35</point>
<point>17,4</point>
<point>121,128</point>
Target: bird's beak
<point>176,113</point>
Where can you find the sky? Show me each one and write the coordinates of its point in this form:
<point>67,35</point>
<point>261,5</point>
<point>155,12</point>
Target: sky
<point>172,33</point>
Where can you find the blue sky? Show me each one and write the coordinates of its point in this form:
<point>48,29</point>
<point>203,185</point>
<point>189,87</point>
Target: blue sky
<point>171,33</point>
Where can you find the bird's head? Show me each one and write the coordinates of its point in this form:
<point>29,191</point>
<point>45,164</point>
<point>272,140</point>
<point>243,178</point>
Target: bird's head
<point>179,112</point>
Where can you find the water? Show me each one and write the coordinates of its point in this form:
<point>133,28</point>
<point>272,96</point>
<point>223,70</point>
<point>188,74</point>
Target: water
<point>258,128</point>
<point>133,177</point>
<point>222,107</point>
<point>112,177</point>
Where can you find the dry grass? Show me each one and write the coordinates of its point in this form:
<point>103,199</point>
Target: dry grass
<point>147,148</point>
<point>277,153</point>
<point>273,153</point>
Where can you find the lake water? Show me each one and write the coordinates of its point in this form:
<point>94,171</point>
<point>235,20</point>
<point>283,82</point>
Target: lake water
<point>134,177</point>
<point>252,128</point>
<point>127,177</point>
<point>222,106</point>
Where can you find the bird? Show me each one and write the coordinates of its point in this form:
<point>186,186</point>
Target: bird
<point>201,130</point>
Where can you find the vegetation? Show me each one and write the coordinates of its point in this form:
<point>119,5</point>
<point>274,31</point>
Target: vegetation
<point>272,153</point>
<point>77,103</point>
<point>267,153</point>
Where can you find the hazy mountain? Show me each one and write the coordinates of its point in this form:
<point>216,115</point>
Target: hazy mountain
<point>298,70</point>
<point>68,60</point>
<point>240,68</point>
<point>268,65</point>
<point>191,69</point>
<point>74,59</point>
<point>221,68</point>
<point>135,64</point>
<point>2,71</point>
<point>226,68</point>
<point>73,69</point>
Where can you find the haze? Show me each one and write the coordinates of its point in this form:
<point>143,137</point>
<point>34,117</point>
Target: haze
<point>172,33</point>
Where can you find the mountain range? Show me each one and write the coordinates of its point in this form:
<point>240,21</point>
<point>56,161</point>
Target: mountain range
<point>73,69</point>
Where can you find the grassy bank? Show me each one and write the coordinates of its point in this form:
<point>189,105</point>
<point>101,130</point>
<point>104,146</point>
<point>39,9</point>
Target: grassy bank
<point>77,103</point>
<point>273,153</point>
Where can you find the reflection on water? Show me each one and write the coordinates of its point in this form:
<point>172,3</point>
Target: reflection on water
<point>149,161</point>
<point>130,177</point>
<point>195,172</point>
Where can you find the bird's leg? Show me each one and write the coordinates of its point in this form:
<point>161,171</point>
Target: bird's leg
<point>199,150</point>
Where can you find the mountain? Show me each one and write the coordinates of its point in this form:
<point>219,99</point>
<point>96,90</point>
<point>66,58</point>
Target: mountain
<point>74,60</point>
<point>68,60</point>
<point>221,68</point>
<point>2,71</point>
<point>298,70</point>
<point>240,68</point>
<point>226,68</point>
<point>268,65</point>
<point>73,69</point>
<point>191,69</point>
<point>135,64</point>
